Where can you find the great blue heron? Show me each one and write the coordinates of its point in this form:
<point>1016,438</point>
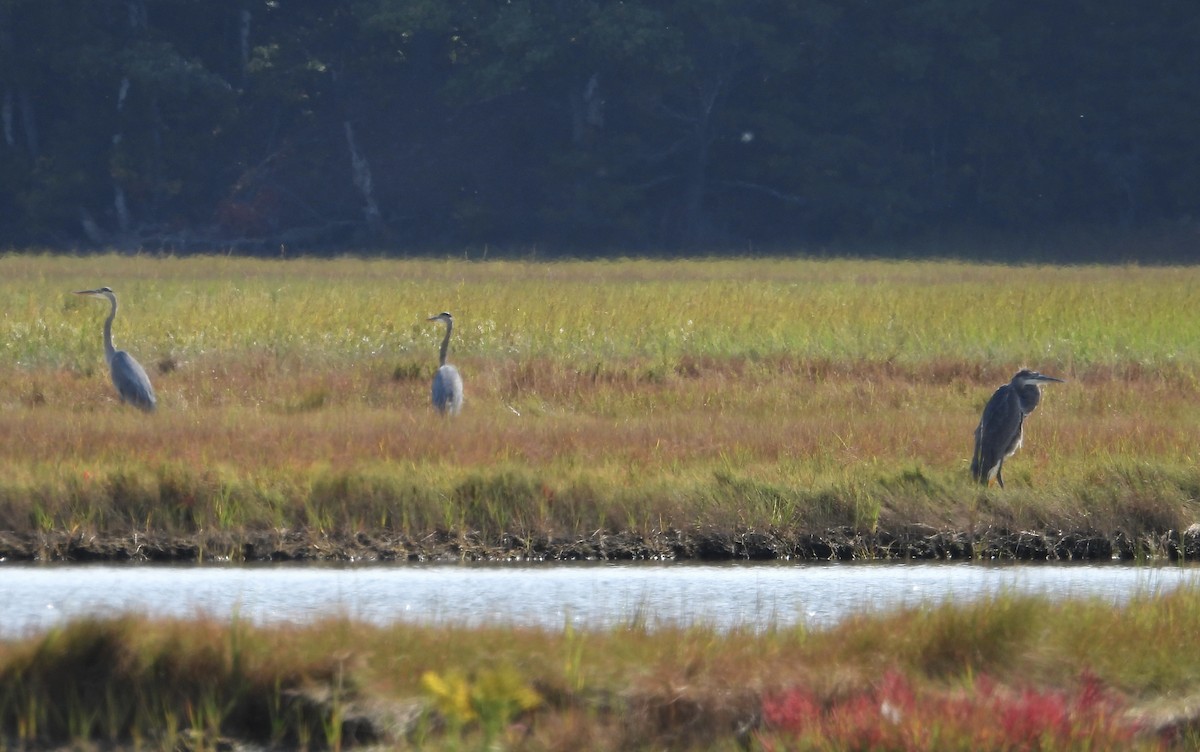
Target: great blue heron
<point>128,376</point>
<point>447,384</point>
<point>999,433</point>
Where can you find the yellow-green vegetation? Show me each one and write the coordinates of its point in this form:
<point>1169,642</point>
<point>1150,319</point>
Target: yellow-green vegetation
<point>714,397</point>
<point>1006,673</point>
<point>729,399</point>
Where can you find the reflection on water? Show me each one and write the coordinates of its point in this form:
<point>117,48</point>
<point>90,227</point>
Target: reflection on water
<point>583,595</point>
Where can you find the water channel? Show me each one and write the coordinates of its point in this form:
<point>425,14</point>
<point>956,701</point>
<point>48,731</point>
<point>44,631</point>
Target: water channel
<point>35,598</point>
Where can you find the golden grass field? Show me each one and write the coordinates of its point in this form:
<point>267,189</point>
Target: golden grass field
<point>637,397</point>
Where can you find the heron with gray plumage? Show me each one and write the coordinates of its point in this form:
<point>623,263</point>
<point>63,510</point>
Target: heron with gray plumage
<point>128,376</point>
<point>447,383</point>
<point>999,433</point>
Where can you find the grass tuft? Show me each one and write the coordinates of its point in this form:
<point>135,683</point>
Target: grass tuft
<point>114,680</point>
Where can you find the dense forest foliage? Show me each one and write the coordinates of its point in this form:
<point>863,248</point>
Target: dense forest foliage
<point>588,126</point>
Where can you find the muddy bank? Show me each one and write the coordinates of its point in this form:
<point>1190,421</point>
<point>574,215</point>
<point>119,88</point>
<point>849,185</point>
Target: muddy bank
<point>694,545</point>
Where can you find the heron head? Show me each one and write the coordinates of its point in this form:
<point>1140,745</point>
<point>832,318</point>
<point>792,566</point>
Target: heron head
<point>99,292</point>
<point>1027,376</point>
<point>443,316</point>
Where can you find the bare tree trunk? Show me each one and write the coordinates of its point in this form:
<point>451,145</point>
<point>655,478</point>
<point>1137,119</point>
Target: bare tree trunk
<point>90,229</point>
<point>244,38</point>
<point>138,17</point>
<point>120,206</point>
<point>6,43</point>
<point>29,124</point>
<point>695,227</point>
<point>696,183</point>
<point>587,109</point>
<point>362,180</point>
<point>7,111</point>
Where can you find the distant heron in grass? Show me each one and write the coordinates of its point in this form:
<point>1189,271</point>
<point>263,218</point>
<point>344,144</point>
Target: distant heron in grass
<point>1000,430</point>
<point>128,376</point>
<point>447,384</point>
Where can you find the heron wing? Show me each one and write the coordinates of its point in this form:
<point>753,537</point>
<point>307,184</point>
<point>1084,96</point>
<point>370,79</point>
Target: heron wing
<point>998,431</point>
<point>447,390</point>
<point>131,381</point>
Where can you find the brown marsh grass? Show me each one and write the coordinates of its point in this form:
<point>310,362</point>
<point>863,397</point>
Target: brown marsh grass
<point>623,396</point>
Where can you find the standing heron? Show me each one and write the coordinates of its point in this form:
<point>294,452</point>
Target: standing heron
<point>128,376</point>
<point>447,384</point>
<point>999,433</point>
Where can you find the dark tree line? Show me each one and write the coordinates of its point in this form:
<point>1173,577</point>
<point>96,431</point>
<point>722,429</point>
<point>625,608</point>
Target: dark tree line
<point>590,126</point>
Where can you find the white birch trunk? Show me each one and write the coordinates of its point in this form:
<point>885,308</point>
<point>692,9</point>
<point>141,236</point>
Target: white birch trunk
<point>138,17</point>
<point>120,205</point>
<point>362,178</point>
<point>29,123</point>
<point>121,208</point>
<point>244,38</point>
<point>7,115</point>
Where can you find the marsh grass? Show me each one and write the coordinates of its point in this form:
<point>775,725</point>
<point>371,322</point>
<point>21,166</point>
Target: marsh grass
<point>752,395</point>
<point>118,681</point>
<point>621,396</point>
<point>999,673</point>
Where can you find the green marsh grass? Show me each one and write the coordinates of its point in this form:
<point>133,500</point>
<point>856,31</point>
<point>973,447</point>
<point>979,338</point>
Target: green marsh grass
<point>635,396</point>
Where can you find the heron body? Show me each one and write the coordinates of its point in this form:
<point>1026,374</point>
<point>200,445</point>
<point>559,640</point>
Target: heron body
<point>1000,430</point>
<point>447,383</point>
<point>128,376</point>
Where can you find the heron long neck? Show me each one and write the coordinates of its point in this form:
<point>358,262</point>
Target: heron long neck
<point>1029,396</point>
<point>109,350</point>
<point>446,341</point>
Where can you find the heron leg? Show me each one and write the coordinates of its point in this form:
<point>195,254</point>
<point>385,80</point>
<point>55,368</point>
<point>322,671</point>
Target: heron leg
<point>1000,473</point>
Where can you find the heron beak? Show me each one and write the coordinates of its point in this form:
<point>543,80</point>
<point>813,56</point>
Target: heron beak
<point>85,292</point>
<point>1040,377</point>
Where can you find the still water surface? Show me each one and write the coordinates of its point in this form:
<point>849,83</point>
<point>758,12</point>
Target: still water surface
<point>34,598</point>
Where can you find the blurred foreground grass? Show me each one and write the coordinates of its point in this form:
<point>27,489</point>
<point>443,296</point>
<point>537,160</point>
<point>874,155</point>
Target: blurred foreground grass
<point>1003,673</point>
